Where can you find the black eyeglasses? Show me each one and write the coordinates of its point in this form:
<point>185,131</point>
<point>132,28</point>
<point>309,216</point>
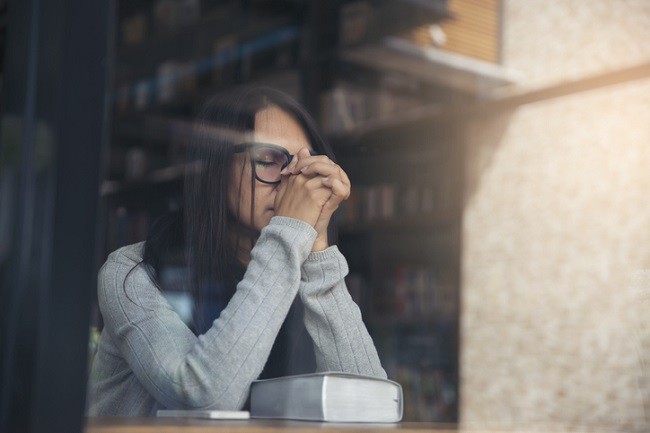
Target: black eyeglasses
<point>267,160</point>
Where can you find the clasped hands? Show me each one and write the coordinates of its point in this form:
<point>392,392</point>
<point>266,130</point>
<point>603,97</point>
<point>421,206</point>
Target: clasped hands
<point>311,189</point>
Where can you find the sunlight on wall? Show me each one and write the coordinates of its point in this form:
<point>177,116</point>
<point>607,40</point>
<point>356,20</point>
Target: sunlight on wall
<point>558,223</point>
<point>557,233</point>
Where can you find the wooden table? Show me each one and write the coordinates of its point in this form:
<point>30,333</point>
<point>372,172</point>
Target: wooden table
<point>169,425</point>
<point>178,425</point>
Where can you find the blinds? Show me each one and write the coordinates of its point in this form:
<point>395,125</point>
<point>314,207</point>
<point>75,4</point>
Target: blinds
<point>473,31</point>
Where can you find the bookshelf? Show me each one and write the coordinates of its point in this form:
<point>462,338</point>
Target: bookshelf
<point>170,56</point>
<point>382,102</point>
<point>402,225</point>
<point>432,64</point>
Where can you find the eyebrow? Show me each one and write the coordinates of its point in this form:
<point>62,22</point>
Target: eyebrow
<point>311,150</point>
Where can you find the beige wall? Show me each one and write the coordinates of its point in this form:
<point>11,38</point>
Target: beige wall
<point>557,221</point>
<point>557,40</point>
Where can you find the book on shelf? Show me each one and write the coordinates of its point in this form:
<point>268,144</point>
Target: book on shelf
<point>430,394</point>
<point>370,202</point>
<point>174,78</point>
<point>355,21</point>
<point>342,109</point>
<point>416,292</point>
<point>346,106</point>
<point>389,201</point>
<point>231,61</point>
<point>328,396</point>
<point>170,15</point>
<point>367,21</point>
<point>134,29</point>
<point>424,362</point>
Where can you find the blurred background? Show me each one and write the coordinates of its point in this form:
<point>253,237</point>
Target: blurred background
<point>498,232</point>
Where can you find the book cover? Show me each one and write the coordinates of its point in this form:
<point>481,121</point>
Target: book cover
<point>329,396</point>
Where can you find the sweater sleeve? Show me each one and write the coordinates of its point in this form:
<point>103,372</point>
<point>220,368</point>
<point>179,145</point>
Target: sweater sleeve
<point>333,319</point>
<point>214,370</point>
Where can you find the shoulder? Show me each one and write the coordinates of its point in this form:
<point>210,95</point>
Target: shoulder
<point>127,255</point>
<point>122,273</point>
<point>122,263</point>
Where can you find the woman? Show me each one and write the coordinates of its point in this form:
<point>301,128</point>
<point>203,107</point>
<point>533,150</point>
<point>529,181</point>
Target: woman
<point>252,234</point>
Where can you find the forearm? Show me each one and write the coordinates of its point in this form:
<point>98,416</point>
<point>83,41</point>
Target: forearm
<point>332,318</point>
<point>215,369</point>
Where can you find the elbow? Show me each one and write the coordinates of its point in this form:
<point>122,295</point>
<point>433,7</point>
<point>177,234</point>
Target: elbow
<point>202,399</point>
<point>224,404</point>
<point>205,391</point>
<point>212,401</point>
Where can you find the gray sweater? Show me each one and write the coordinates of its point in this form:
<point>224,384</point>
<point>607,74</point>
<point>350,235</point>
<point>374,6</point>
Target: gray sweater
<point>148,359</point>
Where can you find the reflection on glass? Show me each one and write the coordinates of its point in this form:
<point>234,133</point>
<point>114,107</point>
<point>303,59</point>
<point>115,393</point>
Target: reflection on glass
<point>217,295</point>
<point>491,231</point>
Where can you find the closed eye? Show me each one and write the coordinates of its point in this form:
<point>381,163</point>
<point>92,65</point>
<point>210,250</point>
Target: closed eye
<point>265,163</point>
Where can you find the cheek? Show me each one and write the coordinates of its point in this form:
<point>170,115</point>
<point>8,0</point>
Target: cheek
<point>266,193</point>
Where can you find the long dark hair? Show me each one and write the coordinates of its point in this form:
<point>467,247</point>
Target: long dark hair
<point>198,234</point>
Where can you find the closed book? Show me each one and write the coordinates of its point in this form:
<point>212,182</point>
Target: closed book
<point>328,396</point>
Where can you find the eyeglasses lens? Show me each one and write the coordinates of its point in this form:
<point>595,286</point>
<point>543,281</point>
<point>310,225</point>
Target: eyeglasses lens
<point>268,163</point>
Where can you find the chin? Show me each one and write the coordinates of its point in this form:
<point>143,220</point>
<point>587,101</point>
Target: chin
<point>265,220</point>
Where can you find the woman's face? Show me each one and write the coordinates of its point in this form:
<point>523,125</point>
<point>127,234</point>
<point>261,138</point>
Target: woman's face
<point>272,125</point>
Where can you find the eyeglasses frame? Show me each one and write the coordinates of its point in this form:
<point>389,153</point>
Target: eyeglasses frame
<point>244,147</point>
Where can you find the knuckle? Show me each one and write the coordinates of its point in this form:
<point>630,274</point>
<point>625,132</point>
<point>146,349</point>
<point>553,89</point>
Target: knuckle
<point>324,159</point>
